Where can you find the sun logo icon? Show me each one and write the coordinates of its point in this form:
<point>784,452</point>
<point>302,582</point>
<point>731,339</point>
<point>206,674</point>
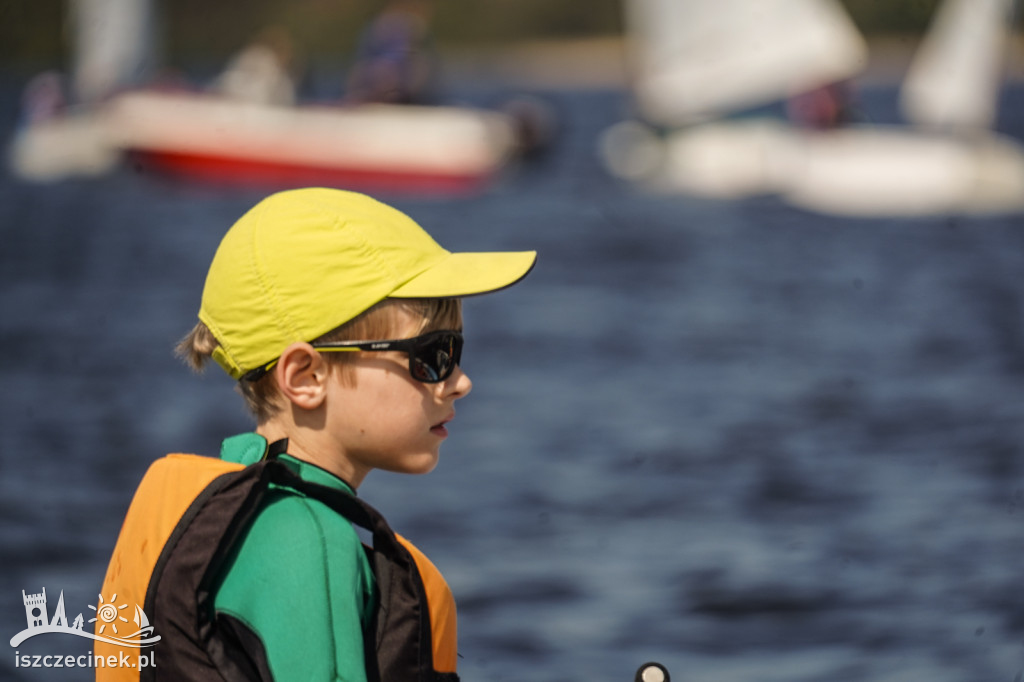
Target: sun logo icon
<point>107,614</point>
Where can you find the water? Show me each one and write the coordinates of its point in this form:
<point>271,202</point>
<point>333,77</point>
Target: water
<point>750,442</point>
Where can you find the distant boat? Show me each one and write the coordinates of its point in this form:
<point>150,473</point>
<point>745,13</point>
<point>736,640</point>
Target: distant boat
<point>949,160</point>
<point>241,140</point>
<point>207,137</point>
<point>758,51</point>
<point>391,147</point>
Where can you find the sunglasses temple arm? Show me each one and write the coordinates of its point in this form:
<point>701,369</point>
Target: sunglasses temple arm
<point>260,372</point>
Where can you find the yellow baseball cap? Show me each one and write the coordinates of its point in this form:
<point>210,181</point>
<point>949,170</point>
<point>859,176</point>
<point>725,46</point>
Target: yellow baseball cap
<point>303,262</point>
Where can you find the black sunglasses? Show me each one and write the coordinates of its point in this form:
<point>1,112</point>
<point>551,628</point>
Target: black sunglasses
<point>432,356</point>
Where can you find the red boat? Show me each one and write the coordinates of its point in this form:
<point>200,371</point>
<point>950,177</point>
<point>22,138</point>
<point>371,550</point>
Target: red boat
<point>410,149</point>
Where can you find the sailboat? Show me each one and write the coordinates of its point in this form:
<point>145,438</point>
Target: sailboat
<point>142,622</point>
<point>205,137</point>
<point>416,149</point>
<point>209,136</point>
<point>947,160</point>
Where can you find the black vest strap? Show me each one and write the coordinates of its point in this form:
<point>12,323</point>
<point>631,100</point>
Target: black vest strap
<point>349,506</point>
<point>278,447</point>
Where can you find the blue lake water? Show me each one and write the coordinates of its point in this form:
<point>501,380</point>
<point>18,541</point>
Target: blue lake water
<point>751,442</point>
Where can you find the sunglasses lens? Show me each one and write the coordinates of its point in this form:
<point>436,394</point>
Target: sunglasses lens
<point>436,359</point>
<point>421,371</point>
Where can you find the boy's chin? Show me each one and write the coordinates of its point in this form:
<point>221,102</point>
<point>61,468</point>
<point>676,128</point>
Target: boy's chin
<point>418,464</point>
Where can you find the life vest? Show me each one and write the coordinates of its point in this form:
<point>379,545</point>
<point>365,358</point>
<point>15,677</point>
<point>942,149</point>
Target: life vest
<point>188,513</point>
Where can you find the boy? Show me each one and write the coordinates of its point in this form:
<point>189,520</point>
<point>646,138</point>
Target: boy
<point>340,318</point>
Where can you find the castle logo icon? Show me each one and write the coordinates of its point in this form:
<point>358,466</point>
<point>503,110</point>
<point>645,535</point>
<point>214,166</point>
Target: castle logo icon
<point>112,624</point>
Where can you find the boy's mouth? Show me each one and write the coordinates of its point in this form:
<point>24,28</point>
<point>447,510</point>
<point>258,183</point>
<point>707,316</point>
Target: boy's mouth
<point>439,429</point>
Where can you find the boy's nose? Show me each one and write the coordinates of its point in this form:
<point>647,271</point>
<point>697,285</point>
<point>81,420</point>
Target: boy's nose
<point>458,384</point>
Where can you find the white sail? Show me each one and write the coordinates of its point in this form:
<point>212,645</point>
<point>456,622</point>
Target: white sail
<point>955,77</point>
<point>140,618</point>
<point>114,45</point>
<point>694,60</point>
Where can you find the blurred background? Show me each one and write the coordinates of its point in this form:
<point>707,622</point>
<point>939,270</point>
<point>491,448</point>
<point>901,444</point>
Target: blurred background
<point>735,421</point>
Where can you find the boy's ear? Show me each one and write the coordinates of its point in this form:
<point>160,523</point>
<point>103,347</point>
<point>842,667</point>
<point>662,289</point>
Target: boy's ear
<point>301,375</point>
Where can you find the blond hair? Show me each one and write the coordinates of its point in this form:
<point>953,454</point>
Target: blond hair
<point>262,397</point>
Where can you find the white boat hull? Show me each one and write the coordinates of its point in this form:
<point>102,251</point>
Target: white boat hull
<point>214,138</point>
<point>874,171</point>
<point>893,171</point>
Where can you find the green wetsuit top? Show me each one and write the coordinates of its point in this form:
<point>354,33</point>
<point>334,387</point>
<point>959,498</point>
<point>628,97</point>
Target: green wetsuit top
<point>300,579</point>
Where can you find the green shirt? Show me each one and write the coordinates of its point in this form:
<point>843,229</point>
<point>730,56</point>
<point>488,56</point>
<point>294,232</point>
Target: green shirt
<point>300,578</point>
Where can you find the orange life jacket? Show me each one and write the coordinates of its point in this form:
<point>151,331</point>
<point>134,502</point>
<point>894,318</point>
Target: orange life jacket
<point>188,513</point>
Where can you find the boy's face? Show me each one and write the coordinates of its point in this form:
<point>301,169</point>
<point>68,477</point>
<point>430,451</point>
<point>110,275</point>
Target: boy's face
<point>382,418</point>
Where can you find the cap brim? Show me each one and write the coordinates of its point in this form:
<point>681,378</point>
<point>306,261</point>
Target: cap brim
<point>468,274</point>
